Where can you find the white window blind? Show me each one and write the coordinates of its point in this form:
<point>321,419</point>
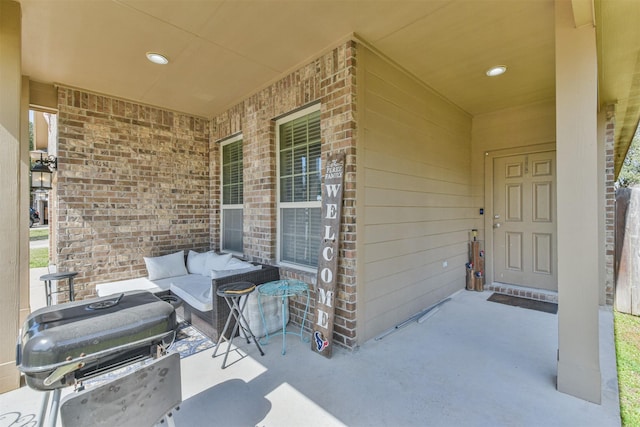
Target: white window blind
<point>232,197</point>
<point>300,190</point>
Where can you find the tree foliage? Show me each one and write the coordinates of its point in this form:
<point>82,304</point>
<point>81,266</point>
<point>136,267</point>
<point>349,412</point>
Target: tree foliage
<point>31,136</point>
<point>630,172</point>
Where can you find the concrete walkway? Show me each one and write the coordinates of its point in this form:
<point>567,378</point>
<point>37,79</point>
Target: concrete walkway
<point>473,363</point>
<point>37,296</point>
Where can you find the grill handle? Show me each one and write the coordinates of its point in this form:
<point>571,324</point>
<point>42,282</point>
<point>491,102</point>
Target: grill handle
<point>61,372</point>
<point>100,305</point>
<point>89,358</point>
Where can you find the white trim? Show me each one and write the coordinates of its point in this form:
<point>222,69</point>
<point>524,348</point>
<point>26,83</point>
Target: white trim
<point>301,205</point>
<point>228,141</point>
<point>318,204</point>
<point>295,115</point>
<point>238,206</point>
<point>298,267</point>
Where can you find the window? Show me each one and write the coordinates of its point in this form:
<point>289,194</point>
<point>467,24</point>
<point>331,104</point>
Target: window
<point>299,175</point>
<point>232,197</point>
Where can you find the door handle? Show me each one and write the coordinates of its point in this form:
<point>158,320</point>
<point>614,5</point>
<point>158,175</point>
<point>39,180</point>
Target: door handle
<point>496,225</point>
<point>496,216</point>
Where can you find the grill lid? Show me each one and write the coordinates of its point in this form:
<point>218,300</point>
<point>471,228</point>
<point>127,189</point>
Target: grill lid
<point>90,334</point>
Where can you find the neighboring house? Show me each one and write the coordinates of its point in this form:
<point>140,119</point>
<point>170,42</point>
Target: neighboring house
<point>425,153</point>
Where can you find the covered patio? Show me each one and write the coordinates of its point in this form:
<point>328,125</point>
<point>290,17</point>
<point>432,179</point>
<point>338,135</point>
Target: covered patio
<point>468,364</point>
<point>434,145</point>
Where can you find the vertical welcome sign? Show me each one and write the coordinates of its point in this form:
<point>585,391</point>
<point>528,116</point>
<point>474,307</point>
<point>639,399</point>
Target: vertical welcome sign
<point>321,341</point>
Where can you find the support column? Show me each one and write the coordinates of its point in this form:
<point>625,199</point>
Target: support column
<point>23,192</point>
<point>10,207</point>
<point>577,181</point>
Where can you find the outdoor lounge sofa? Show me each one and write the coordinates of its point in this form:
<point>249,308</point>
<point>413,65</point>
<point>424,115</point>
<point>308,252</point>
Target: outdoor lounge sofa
<point>196,283</point>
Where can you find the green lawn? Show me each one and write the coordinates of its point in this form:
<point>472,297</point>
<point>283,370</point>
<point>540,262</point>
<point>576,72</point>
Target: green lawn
<point>39,257</point>
<point>627,330</point>
<point>38,233</point>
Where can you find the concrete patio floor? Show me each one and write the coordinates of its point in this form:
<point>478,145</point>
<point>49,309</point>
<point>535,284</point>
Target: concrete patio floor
<point>472,363</point>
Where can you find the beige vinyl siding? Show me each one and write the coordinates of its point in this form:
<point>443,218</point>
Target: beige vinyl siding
<point>415,155</point>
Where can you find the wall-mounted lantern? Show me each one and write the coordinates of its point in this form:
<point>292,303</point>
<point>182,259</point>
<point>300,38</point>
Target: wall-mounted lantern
<point>42,168</point>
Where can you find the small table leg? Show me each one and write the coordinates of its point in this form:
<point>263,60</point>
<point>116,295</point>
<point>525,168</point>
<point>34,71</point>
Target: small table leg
<point>304,318</point>
<point>284,328</point>
<point>47,291</point>
<point>235,312</point>
<point>71,293</point>
<point>284,289</point>
<point>264,324</point>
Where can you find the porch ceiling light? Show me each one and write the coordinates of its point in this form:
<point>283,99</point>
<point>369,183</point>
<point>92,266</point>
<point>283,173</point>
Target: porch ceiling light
<point>157,58</point>
<point>42,170</point>
<point>497,70</point>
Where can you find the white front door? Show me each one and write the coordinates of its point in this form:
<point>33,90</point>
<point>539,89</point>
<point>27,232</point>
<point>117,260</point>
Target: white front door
<point>524,220</point>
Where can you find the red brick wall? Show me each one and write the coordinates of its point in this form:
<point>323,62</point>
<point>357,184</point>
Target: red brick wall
<point>610,204</point>
<point>330,80</point>
<point>138,181</point>
<point>133,181</point>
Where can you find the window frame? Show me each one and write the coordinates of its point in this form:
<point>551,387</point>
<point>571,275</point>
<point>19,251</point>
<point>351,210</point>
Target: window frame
<point>223,207</point>
<point>279,205</point>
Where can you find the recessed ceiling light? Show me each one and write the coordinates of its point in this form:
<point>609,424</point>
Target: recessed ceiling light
<point>497,70</point>
<point>157,58</point>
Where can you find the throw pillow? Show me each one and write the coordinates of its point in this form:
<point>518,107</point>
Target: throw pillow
<point>215,262</point>
<point>164,266</point>
<point>196,262</point>
<point>237,264</point>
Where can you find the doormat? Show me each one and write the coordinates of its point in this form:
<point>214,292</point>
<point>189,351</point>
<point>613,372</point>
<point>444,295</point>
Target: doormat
<point>547,307</point>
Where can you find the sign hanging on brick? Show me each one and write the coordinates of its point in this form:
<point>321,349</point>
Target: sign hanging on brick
<point>321,339</point>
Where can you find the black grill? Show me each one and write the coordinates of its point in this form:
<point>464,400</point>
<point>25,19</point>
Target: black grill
<point>69,342</point>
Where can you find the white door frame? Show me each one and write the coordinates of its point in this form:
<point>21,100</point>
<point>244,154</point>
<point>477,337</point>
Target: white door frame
<point>489,156</point>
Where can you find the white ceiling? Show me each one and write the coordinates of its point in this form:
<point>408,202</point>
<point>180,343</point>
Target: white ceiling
<point>223,50</point>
